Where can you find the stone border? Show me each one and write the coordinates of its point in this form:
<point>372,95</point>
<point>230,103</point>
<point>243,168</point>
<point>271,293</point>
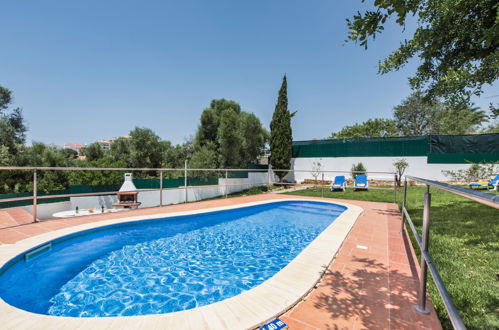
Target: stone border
<point>247,310</point>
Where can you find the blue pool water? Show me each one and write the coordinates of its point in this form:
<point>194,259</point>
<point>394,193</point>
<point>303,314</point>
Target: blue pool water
<point>164,265</point>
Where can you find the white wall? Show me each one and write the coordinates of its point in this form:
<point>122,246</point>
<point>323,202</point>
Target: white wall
<point>93,202</point>
<point>45,211</point>
<point>418,166</point>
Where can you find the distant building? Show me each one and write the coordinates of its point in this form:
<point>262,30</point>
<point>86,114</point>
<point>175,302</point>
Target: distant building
<point>74,146</point>
<point>106,144</point>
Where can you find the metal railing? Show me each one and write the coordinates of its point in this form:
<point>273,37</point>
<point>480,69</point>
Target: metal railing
<point>423,242</point>
<point>269,181</point>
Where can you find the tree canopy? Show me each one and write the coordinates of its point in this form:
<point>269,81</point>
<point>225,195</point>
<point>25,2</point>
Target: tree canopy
<point>93,151</point>
<point>12,126</point>
<point>281,136</point>
<point>456,42</point>
<point>227,137</point>
<point>416,115</point>
<point>377,127</point>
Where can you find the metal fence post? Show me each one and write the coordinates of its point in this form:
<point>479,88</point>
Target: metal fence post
<point>160,188</point>
<point>322,185</point>
<point>225,185</point>
<point>395,189</point>
<point>268,178</point>
<point>404,198</point>
<point>185,181</point>
<point>34,197</point>
<point>421,306</point>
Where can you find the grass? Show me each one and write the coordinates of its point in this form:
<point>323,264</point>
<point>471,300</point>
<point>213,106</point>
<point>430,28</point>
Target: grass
<point>464,245</point>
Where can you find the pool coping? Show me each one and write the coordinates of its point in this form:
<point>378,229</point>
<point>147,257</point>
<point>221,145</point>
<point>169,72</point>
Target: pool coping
<point>247,310</point>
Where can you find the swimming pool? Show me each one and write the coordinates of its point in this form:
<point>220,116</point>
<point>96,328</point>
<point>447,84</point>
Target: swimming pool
<point>164,265</point>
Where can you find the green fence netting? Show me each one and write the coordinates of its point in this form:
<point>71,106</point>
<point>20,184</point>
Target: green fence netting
<point>262,167</point>
<point>439,149</point>
<point>176,182</point>
<point>362,147</point>
<point>459,149</point>
<point>4,205</point>
<point>87,189</point>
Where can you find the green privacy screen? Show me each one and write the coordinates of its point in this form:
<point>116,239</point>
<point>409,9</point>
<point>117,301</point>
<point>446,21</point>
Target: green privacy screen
<point>440,149</point>
<point>452,149</point>
<point>366,147</point>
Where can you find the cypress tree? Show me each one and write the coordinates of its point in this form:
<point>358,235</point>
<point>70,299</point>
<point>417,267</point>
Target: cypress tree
<point>280,133</point>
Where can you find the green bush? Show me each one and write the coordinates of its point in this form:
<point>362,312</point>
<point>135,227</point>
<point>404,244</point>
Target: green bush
<point>358,168</point>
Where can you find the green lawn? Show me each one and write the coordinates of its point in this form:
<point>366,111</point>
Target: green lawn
<point>464,244</point>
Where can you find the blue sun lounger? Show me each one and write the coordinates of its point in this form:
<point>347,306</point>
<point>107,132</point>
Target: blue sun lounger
<point>339,183</point>
<point>361,182</point>
<point>479,184</point>
<point>494,184</point>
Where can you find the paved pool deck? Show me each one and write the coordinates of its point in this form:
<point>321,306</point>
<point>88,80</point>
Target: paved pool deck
<point>371,284</point>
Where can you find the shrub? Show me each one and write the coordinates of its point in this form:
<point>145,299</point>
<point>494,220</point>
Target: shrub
<point>358,168</point>
<point>477,171</point>
<point>400,166</point>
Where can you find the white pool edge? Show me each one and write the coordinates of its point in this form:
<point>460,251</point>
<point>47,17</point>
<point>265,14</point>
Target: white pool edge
<point>245,311</point>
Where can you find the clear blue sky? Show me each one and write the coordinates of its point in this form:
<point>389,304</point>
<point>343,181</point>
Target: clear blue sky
<point>87,70</point>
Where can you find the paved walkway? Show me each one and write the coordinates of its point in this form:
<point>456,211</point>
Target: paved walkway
<point>371,284</point>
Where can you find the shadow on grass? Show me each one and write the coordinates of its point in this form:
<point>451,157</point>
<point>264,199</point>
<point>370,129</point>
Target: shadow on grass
<point>464,247</point>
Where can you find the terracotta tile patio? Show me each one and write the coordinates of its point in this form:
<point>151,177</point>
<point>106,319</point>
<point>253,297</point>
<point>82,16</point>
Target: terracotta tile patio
<point>371,284</point>
<point>14,217</point>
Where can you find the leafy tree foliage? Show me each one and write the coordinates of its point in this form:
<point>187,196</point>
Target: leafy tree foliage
<point>357,169</point>
<point>97,178</point>
<point>120,150</point>
<point>5,97</point>
<point>5,156</point>
<point>371,128</point>
<point>176,156</point>
<point>494,120</point>
<point>94,151</point>
<point>208,130</point>
<point>456,42</point>
<point>204,157</point>
<point>281,135</point>
<point>254,137</point>
<point>400,167</point>
<point>462,119</point>
<point>12,126</point>
<point>146,148</point>
<point>418,116</point>
<point>477,171</point>
<point>235,136</point>
<point>230,140</point>
<point>39,155</point>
